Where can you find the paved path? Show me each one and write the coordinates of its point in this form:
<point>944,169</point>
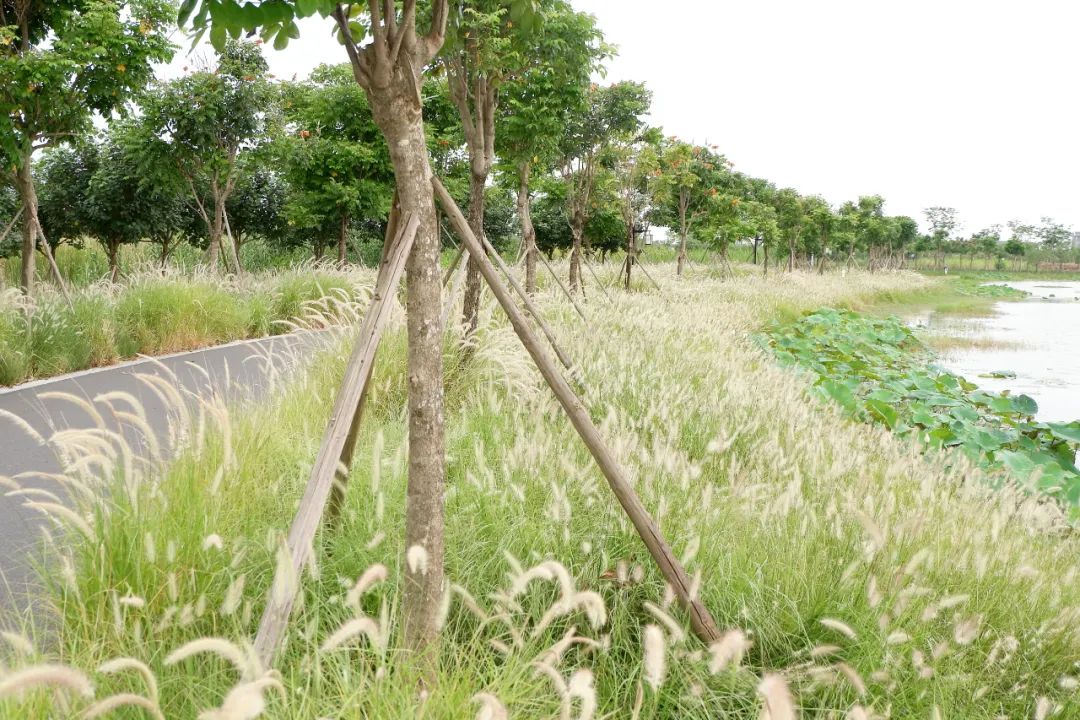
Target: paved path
<point>237,371</point>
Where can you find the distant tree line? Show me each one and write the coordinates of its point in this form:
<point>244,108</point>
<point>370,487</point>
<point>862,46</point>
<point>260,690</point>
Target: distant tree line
<point>546,160</point>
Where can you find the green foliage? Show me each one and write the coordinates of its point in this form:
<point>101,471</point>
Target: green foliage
<point>536,104</point>
<point>878,371</point>
<point>64,60</point>
<point>194,127</point>
<point>63,177</point>
<point>334,157</point>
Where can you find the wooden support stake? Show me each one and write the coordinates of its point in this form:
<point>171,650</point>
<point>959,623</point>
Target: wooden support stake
<point>453,266</point>
<point>566,292</point>
<point>308,517</point>
<point>596,277</point>
<point>700,619</point>
<point>563,357</point>
<point>341,477</point>
<point>544,327</point>
<point>7,228</point>
<point>641,265</point>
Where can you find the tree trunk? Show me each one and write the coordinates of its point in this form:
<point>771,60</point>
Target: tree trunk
<point>528,232</point>
<point>577,229</point>
<point>765,273</point>
<point>213,253</point>
<point>470,311</point>
<point>343,231</point>
<point>630,249</point>
<point>232,250</point>
<point>682,255</point>
<point>397,112</point>
<point>112,249</point>
<point>234,242</point>
<point>757,240</point>
<point>320,248</point>
<point>24,182</point>
<point>32,232</point>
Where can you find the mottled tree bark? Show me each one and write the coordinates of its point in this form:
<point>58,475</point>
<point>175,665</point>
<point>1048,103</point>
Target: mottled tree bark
<point>528,231</point>
<point>389,69</point>
<point>32,234</point>
<point>470,312</point>
<point>343,234</point>
<point>24,183</point>
<point>577,228</point>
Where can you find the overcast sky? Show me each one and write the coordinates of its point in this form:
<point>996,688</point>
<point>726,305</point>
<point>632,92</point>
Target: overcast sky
<point>966,103</point>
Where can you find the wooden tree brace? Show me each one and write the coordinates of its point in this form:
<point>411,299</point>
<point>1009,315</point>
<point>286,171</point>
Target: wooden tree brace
<point>309,515</point>
<point>641,266</point>
<point>599,284</point>
<point>474,249</point>
<point>453,266</point>
<point>566,292</point>
<point>700,619</point>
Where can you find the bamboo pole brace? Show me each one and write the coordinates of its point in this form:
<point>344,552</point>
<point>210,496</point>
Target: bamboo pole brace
<point>341,476</point>
<point>566,292</point>
<point>309,515</point>
<point>563,357</point>
<point>641,266</point>
<point>596,277</point>
<point>7,228</point>
<point>453,266</point>
<point>700,619</point>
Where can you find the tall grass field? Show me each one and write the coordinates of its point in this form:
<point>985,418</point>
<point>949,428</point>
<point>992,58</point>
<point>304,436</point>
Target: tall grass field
<point>153,313</point>
<point>856,575</point>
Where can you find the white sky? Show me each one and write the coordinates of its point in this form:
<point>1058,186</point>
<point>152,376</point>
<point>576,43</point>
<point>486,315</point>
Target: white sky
<point>965,103</point>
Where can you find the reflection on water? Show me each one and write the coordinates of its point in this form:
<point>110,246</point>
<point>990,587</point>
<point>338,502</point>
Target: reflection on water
<point>1037,338</point>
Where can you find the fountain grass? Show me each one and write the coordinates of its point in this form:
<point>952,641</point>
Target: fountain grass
<point>849,570</point>
<point>151,313</point>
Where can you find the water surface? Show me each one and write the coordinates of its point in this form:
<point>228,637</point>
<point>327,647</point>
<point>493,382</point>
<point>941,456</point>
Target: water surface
<point>1037,338</point>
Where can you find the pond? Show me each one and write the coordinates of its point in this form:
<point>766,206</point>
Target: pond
<point>1034,343</point>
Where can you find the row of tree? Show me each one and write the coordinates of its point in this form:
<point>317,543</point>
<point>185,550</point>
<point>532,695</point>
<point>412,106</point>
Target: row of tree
<point>514,125</point>
<point>493,96</point>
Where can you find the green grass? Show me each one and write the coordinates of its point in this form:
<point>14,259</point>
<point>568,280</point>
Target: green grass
<point>153,314</point>
<point>951,601</point>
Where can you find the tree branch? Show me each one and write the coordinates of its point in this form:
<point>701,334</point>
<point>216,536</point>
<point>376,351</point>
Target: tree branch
<point>407,30</point>
<point>378,30</point>
<point>357,56</point>
<point>436,35</point>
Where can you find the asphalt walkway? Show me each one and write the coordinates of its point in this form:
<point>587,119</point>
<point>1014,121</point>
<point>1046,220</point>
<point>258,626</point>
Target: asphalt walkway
<point>239,372</point>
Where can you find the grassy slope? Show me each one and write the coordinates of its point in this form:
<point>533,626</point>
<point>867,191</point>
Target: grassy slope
<point>957,601</point>
<point>152,314</point>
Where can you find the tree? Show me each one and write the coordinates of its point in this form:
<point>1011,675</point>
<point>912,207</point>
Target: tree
<point>1015,248</point>
<point>790,218</point>
<point>62,180</point>
<point>62,61</point>
<point>986,241</point>
<point>336,161</point>
<point>485,46</point>
<point>943,224</point>
<point>688,185</point>
<point>1054,238</point>
<point>607,114</point>
<point>256,207</point>
<point>537,104</point>
<point>634,160</point>
<point>389,68</point>
<point>820,221</point>
<point>195,128</point>
<point>126,206</point>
